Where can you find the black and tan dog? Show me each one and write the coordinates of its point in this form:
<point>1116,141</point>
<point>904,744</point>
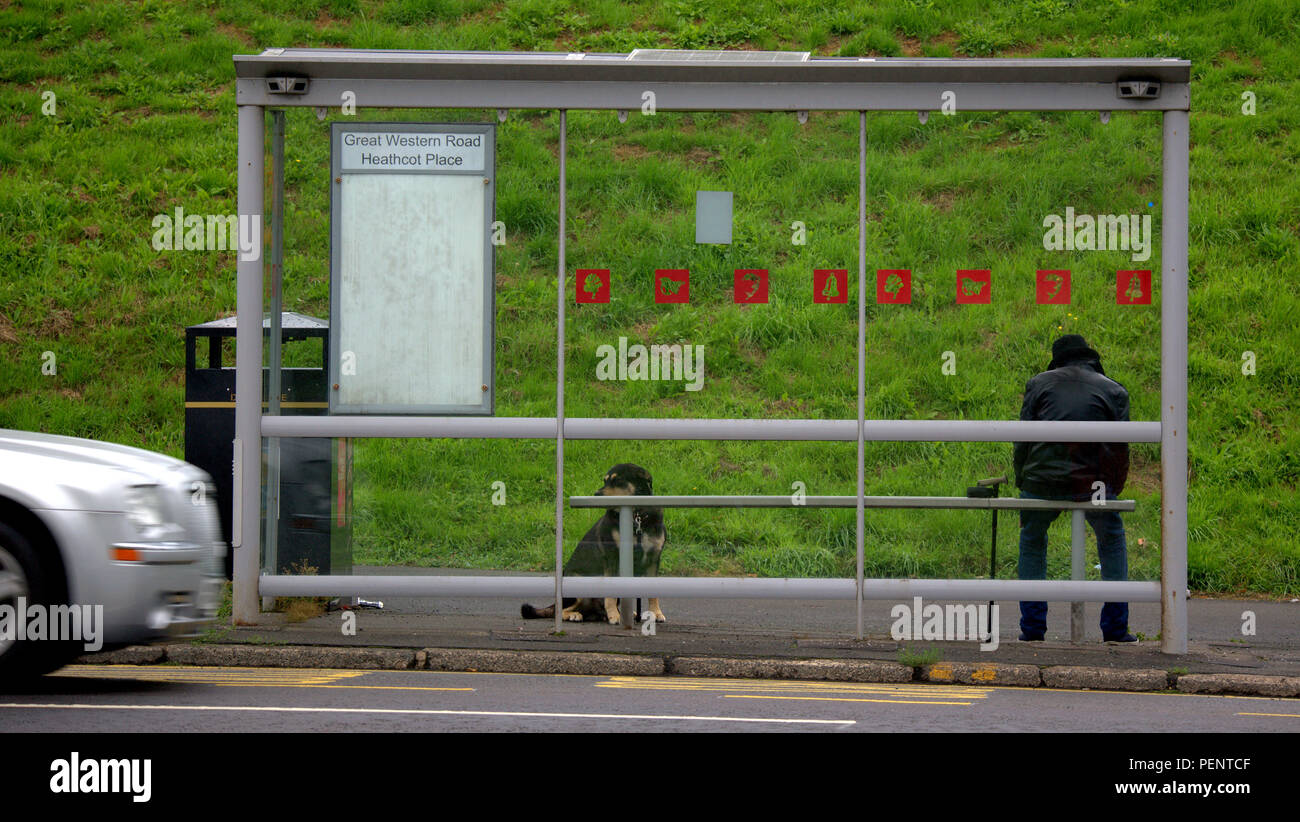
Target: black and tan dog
<point>597,552</point>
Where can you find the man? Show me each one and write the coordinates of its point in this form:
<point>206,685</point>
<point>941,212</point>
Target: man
<point>1074,387</point>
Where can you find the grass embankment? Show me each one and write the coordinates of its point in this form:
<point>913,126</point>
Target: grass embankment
<point>145,122</point>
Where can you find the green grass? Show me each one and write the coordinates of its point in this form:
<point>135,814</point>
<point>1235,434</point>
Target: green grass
<point>146,122</point>
<point>919,659</point>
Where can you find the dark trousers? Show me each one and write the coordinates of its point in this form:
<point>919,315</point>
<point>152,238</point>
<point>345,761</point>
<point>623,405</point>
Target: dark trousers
<point>1112,549</point>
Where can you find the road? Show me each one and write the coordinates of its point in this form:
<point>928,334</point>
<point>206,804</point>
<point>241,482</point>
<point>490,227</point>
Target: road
<point>102,698</point>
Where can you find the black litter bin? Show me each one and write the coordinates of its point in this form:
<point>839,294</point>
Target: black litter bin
<point>314,526</point>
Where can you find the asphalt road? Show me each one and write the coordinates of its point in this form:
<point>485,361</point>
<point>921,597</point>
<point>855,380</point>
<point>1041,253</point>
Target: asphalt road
<point>103,698</point>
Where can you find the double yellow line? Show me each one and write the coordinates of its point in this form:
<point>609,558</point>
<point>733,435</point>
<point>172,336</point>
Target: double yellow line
<point>236,677</point>
<point>902,694</point>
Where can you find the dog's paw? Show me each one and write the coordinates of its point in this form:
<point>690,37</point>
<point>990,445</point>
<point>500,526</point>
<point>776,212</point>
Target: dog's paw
<point>614,619</point>
<point>659,616</point>
<point>573,617</point>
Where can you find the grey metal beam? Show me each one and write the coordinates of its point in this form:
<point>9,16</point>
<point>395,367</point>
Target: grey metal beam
<point>859,516</point>
<point>694,66</point>
<point>844,95</point>
<point>900,590</point>
<point>1078,539</point>
<point>270,559</point>
<point>586,428</point>
<point>784,501</point>
<point>248,372</point>
<point>1173,383</point>
<point>560,299</point>
<point>625,561</point>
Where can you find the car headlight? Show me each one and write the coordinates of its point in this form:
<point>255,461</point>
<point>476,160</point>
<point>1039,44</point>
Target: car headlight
<point>144,507</point>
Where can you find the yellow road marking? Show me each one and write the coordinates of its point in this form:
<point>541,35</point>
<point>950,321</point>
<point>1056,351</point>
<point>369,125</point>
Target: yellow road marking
<point>783,683</point>
<point>1045,690</point>
<point>1297,716</point>
<point>238,677</point>
<point>324,687</point>
<point>846,699</point>
<point>416,711</point>
<point>982,688</point>
<point>215,676</point>
<point>925,692</point>
<point>76,669</point>
<point>735,688</point>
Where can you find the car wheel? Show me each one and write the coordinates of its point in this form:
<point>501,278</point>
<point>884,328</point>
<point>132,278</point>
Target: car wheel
<point>22,576</point>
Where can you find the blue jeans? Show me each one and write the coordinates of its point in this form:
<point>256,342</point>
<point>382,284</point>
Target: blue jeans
<point>1112,548</point>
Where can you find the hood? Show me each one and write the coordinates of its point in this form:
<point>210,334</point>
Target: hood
<point>81,452</point>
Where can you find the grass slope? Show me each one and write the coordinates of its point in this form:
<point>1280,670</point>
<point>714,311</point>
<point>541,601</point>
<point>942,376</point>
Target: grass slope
<point>145,122</point>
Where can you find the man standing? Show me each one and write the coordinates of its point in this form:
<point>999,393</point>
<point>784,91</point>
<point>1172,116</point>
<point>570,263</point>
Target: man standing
<point>1074,387</point>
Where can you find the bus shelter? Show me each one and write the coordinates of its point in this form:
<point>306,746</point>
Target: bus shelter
<point>705,81</point>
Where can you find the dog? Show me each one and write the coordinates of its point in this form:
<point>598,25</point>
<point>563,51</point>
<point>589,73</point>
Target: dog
<point>597,552</point>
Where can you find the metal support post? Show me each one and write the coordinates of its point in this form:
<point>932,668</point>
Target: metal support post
<point>862,349</point>
<point>270,561</point>
<point>559,388</point>
<point>625,537</point>
<point>1078,541</point>
<point>247,495</point>
<point>1173,384</point>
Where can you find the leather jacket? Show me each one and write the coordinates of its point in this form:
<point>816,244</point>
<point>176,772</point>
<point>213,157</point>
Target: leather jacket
<point>1076,390</point>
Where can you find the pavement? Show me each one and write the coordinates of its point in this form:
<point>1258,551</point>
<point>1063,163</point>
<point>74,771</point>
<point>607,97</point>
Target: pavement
<point>781,639</point>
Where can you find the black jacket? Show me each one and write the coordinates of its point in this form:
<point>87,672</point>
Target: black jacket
<point>1077,390</point>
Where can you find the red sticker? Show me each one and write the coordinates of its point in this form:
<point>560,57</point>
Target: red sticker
<point>1053,287</point>
<point>750,286</point>
<point>830,285</point>
<point>592,285</point>
<point>974,286</point>
<point>1133,288</point>
<point>894,286</point>
<point>672,285</point>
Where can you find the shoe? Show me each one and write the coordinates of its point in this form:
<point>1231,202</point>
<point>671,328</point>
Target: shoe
<point>1127,637</point>
<point>1024,637</point>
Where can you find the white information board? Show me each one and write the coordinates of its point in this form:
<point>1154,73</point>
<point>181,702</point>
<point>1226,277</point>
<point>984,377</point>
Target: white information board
<point>411,322</point>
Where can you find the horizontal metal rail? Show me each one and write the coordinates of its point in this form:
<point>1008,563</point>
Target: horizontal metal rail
<point>631,428</point>
<point>543,587</point>
<point>1076,590</point>
<point>788,501</point>
<point>675,65</point>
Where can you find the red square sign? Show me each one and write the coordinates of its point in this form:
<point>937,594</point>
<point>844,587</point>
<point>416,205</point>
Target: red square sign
<point>1133,288</point>
<point>1053,287</point>
<point>974,286</point>
<point>592,285</point>
<point>750,286</point>
<point>894,286</point>
<point>672,285</point>
<point>830,285</point>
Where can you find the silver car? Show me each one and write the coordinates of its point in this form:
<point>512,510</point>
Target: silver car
<point>100,545</point>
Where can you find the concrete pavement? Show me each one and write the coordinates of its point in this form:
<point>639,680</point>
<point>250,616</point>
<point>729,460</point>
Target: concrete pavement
<point>769,639</point>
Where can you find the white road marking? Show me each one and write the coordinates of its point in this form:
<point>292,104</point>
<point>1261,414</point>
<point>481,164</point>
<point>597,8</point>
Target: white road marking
<point>409,711</point>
